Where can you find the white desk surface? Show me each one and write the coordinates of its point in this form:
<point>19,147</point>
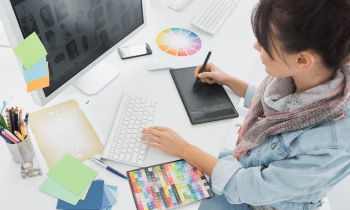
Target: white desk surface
<point>232,51</point>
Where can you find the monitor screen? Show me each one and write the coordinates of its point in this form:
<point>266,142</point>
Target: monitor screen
<point>76,32</point>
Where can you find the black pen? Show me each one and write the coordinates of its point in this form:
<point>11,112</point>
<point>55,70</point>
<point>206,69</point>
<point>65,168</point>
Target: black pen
<point>202,69</point>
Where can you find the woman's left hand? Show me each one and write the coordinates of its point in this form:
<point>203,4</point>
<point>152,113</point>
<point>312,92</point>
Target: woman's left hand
<point>166,140</point>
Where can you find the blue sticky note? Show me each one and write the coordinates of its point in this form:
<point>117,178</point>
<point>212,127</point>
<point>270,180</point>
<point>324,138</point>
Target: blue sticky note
<point>37,71</point>
<point>113,189</point>
<point>93,200</point>
<point>111,198</point>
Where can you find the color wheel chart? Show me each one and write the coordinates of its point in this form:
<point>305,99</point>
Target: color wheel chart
<point>179,42</point>
<point>168,185</point>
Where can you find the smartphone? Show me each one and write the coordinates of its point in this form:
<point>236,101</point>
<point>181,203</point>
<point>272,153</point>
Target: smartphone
<point>134,51</point>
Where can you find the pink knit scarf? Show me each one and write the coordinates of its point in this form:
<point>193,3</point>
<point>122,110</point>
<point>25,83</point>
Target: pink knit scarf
<point>274,108</point>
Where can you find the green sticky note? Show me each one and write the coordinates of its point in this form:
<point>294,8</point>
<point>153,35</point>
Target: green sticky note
<point>72,174</point>
<point>30,51</point>
<point>85,193</point>
<point>56,190</point>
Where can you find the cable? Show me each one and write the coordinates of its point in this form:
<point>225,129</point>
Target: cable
<point>5,46</point>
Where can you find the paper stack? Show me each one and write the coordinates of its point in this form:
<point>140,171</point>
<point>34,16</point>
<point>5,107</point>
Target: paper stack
<point>73,184</point>
<point>32,54</point>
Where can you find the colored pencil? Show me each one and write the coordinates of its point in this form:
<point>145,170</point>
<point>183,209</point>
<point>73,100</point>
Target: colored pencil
<point>3,122</point>
<point>5,138</point>
<point>16,121</point>
<point>19,136</point>
<point>13,121</point>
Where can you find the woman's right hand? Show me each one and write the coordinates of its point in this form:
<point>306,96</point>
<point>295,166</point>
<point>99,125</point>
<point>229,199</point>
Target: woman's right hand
<point>211,74</point>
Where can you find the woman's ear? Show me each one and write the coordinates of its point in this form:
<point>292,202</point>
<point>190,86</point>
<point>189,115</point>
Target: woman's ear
<point>305,60</point>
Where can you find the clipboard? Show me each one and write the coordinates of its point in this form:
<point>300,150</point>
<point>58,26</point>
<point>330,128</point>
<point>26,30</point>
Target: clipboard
<point>205,103</point>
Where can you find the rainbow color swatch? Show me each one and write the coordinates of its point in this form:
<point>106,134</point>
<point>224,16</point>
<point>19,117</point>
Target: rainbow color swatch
<point>168,185</point>
<point>179,42</point>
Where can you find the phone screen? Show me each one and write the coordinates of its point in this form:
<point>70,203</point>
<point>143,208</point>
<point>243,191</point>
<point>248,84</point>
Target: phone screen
<point>136,50</point>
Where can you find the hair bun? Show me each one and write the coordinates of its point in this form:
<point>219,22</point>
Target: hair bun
<point>343,4</point>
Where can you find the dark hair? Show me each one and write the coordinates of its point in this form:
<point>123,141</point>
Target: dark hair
<point>49,34</point>
<point>48,22</point>
<point>322,26</point>
<point>62,25</point>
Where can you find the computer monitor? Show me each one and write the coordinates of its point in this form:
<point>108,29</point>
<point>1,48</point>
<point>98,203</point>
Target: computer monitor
<point>77,35</point>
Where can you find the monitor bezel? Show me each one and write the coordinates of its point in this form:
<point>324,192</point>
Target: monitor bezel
<point>14,34</point>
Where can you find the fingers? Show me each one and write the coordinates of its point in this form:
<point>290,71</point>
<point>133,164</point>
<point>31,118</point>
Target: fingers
<point>160,128</point>
<point>197,70</point>
<point>151,138</point>
<point>206,76</point>
<point>154,145</point>
<point>207,69</point>
<point>152,131</point>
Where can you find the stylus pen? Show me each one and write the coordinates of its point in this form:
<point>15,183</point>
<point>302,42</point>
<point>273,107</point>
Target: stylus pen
<point>202,69</point>
<point>102,164</point>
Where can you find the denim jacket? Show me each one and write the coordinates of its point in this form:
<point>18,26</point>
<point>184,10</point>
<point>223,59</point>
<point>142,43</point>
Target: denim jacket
<point>292,170</point>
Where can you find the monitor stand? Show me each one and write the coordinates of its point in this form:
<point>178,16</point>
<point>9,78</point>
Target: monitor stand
<point>179,5</point>
<point>97,78</point>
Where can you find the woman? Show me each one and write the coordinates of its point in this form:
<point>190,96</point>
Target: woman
<point>46,16</point>
<point>293,147</point>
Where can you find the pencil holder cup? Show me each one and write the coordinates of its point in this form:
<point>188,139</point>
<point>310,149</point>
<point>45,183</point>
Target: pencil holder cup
<point>22,151</point>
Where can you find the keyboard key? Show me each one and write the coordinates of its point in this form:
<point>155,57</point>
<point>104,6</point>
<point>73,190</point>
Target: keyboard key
<point>143,100</point>
<point>143,146</point>
<point>142,152</point>
<point>128,157</point>
<point>130,150</point>
<point>133,141</point>
<point>110,155</point>
<point>125,145</point>
<point>138,97</point>
<point>151,118</point>
<point>112,150</point>
<point>124,150</point>
<point>133,136</point>
<point>139,139</point>
<point>113,145</point>
<point>119,146</point>
<point>149,124</point>
<point>134,158</point>
<point>123,127</point>
<point>122,156</point>
<point>115,156</point>
<point>135,131</point>
<point>129,131</point>
<point>138,145</point>
<point>136,149</point>
<point>131,145</point>
<point>140,162</point>
<point>141,157</point>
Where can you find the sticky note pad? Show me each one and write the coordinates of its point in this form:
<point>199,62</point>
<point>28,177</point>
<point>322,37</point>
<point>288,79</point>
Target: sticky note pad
<point>39,83</point>
<point>109,200</point>
<point>72,174</point>
<point>113,190</point>
<point>56,190</point>
<point>85,193</point>
<point>30,50</point>
<point>93,199</point>
<point>38,71</point>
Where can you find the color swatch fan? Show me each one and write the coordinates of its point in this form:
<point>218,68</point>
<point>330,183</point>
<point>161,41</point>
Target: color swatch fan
<point>179,42</point>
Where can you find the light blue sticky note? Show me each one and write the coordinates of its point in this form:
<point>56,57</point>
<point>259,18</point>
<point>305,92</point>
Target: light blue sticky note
<point>37,71</point>
<point>113,190</point>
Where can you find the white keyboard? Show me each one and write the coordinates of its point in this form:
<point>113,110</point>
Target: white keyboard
<point>125,142</point>
<point>213,15</point>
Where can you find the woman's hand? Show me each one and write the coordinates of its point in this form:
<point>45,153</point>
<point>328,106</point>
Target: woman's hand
<point>166,140</point>
<point>211,74</point>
